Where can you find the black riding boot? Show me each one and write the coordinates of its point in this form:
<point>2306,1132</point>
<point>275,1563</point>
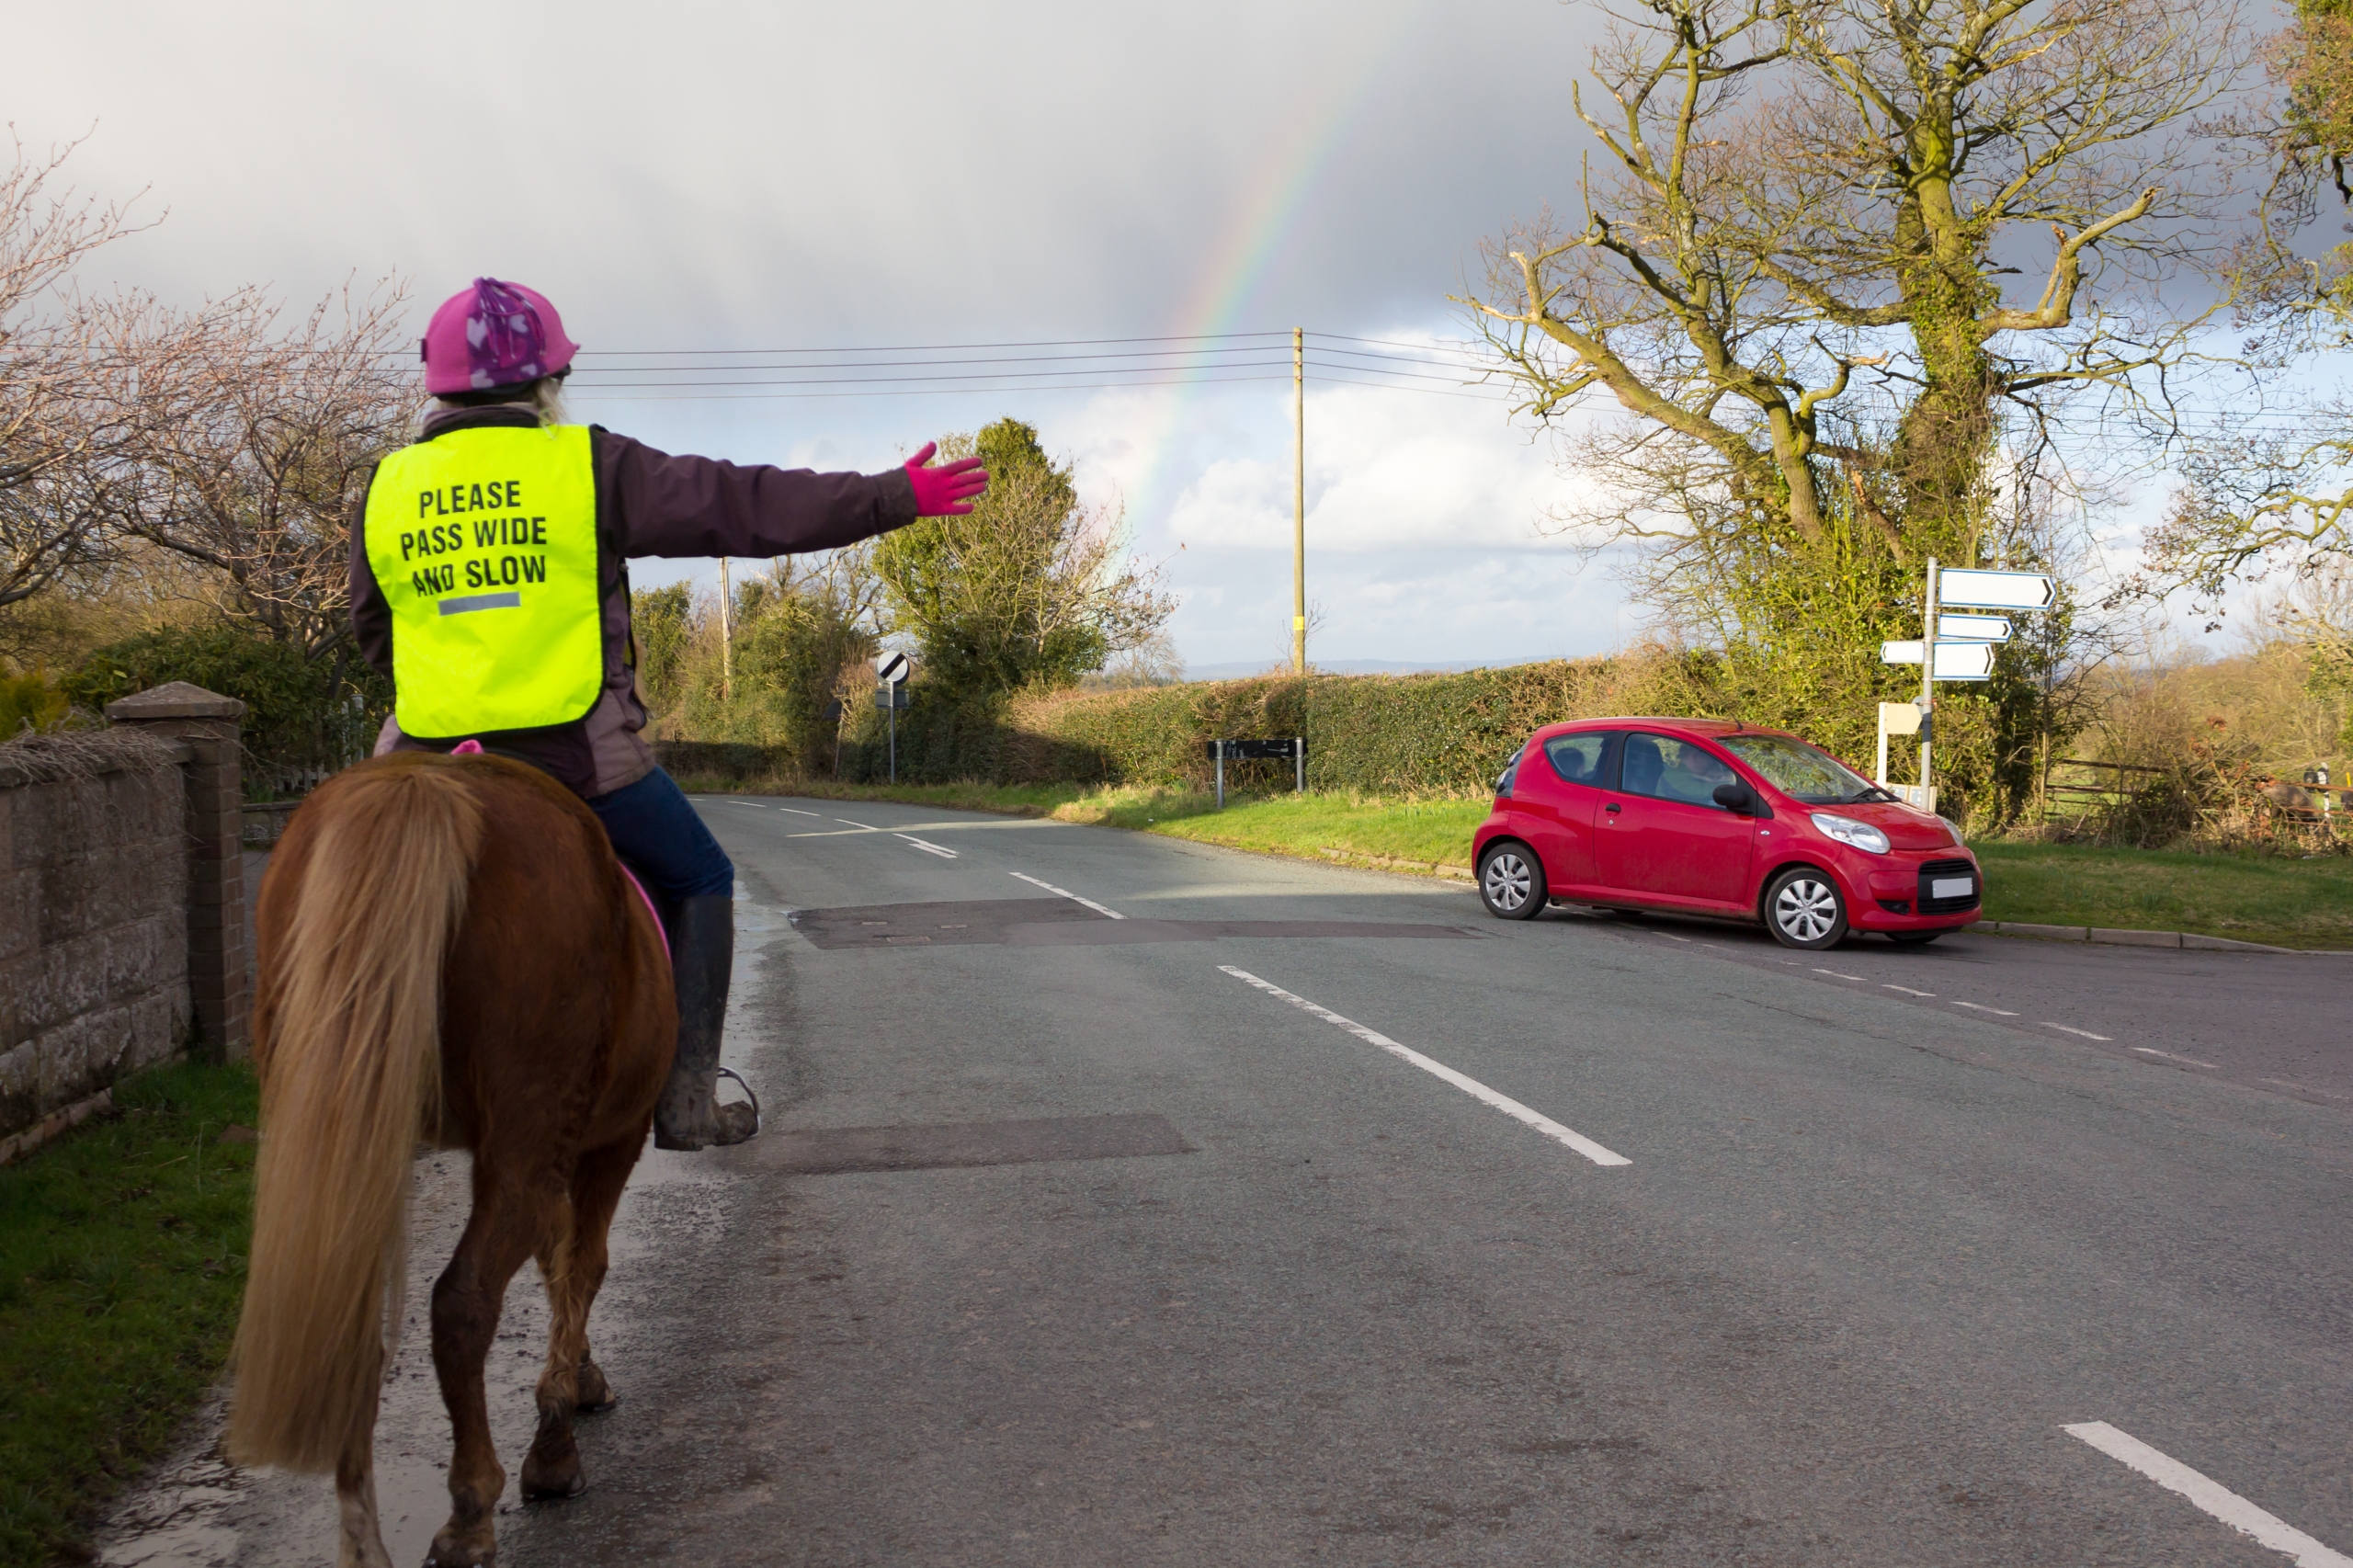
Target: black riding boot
<point>702,955</point>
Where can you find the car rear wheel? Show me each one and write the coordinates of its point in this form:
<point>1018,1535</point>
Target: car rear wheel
<point>1511,882</point>
<point>1804,909</point>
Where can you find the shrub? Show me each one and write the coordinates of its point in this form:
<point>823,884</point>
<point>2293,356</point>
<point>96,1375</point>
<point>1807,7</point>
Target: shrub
<point>1429,734</point>
<point>30,703</point>
<point>300,713</point>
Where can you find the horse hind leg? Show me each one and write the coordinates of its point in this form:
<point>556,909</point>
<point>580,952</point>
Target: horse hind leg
<point>574,1268</point>
<point>553,1470</point>
<point>507,1227</point>
<point>596,1193</point>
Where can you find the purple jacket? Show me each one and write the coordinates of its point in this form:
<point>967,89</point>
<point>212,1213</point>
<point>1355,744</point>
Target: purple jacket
<point>648,502</point>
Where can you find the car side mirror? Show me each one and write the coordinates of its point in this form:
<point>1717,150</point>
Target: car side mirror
<point>1736,797</point>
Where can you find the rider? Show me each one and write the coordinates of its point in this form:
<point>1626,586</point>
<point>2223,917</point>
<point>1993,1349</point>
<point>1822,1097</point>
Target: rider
<point>488,580</point>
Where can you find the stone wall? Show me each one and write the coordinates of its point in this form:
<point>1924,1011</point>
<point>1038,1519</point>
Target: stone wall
<point>93,927</point>
<point>121,906</point>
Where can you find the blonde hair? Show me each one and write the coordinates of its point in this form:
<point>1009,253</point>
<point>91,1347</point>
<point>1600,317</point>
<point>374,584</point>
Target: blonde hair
<point>543,398</point>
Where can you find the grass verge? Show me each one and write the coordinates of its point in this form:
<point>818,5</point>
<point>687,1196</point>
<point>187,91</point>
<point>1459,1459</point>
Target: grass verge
<point>2294,903</point>
<point>1363,828</point>
<point>122,1257</point>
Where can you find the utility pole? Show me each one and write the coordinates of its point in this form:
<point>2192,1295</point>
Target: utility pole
<point>1299,500</point>
<point>726,637</point>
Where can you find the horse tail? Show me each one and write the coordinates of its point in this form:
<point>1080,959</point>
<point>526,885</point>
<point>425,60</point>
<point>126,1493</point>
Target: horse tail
<point>352,1073</point>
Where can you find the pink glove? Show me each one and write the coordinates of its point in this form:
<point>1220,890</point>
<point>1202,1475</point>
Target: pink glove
<point>948,491</point>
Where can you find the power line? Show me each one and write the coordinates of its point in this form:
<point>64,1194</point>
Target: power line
<point>944,348</point>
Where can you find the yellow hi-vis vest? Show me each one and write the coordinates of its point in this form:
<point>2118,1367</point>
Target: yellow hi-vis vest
<point>483,541</point>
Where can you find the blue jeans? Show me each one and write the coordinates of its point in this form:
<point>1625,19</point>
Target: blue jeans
<point>655,829</point>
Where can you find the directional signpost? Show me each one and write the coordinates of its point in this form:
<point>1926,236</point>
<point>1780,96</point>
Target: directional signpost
<point>1956,647</point>
<point>1973,628</point>
<point>1996,590</point>
<point>891,673</point>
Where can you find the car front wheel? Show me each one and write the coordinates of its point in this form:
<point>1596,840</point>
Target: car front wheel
<point>1804,909</point>
<point>1511,881</point>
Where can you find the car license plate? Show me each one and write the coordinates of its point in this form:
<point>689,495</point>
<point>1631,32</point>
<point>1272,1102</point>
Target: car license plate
<point>1951,887</point>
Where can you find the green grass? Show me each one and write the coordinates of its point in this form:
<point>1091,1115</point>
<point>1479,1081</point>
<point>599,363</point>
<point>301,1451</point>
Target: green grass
<point>2295,903</point>
<point>122,1257</point>
<point>1426,831</point>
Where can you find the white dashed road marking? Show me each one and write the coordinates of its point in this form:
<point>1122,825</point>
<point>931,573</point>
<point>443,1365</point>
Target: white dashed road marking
<point>1066,892</point>
<point>798,812</point>
<point>2086,1034</point>
<point>935,849</point>
<point>1976,1008</point>
<point>1472,1086</point>
<point>2212,1496</point>
<point>2170,1056</point>
<point>1906,989</point>
<point>1836,975</point>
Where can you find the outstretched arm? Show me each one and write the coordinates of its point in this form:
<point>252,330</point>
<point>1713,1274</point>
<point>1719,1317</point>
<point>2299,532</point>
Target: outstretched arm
<point>659,504</point>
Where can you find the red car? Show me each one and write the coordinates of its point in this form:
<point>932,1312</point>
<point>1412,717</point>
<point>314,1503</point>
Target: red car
<point>1702,816</point>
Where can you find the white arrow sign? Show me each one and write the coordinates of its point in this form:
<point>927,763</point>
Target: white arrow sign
<point>1901,654</point>
<point>892,668</point>
<point>1973,628</point>
<point>1964,661</point>
<point>1996,590</point>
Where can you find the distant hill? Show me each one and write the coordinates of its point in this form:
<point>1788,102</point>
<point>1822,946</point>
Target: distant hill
<point>1238,669</point>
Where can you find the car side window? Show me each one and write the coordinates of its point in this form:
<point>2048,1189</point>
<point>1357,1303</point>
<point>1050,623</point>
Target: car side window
<point>1577,759</point>
<point>1673,770</point>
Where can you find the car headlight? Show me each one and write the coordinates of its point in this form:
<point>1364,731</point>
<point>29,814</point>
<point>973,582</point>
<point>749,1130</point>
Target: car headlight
<point>1954,828</point>
<point>1860,835</point>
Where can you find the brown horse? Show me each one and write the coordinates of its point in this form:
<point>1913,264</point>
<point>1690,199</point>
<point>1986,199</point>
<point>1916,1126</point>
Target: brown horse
<point>449,952</point>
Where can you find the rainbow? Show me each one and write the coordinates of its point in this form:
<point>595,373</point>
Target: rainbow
<point>1262,219</point>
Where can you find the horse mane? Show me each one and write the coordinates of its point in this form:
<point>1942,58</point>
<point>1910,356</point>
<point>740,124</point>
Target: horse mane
<point>347,1035</point>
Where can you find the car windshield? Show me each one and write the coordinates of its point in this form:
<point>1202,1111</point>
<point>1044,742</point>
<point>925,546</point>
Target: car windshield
<point>1801,772</point>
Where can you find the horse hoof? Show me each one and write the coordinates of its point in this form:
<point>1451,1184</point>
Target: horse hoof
<point>553,1481</point>
<point>593,1395</point>
<point>450,1552</point>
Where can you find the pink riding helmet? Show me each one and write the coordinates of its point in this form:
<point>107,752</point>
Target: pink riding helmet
<point>494,334</point>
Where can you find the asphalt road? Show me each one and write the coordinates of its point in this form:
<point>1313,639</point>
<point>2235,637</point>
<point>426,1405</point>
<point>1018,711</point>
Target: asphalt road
<point>1303,1215</point>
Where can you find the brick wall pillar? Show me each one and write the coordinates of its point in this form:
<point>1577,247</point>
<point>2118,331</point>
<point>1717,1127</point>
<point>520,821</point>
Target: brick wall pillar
<point>217,966</point>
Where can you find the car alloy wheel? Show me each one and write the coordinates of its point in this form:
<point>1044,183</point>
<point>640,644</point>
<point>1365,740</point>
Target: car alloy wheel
<point>1511,881</point>
<point>1803,910</point>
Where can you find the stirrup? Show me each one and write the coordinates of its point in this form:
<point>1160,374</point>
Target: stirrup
<point>715,1107</point>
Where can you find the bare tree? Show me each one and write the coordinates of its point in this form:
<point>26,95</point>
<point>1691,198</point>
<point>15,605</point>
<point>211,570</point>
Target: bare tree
<point>1806,201</point>
<point>260,446</point>
<point>61,419</point>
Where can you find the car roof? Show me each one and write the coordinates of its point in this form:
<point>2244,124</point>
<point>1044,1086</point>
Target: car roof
<point>1711,727</point>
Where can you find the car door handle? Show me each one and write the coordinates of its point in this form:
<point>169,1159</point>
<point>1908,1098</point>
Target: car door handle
<point>1612,810</point>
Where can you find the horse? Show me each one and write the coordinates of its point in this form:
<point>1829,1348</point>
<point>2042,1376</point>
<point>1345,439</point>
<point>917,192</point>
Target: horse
<point>449,954</point>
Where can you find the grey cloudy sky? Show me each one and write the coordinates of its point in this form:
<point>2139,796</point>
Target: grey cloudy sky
<point>715,176</point>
